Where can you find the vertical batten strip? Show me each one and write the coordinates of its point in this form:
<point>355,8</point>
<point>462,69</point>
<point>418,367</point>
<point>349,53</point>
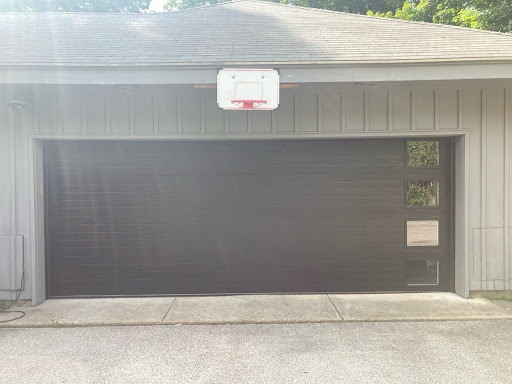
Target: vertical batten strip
<point>156,120</point>
<point>12,191</point>
<point>227,121</point>
<point>83,102</point>
<point>340,106</point>
<point>413,110</point>
<point>343,112</point>
<point>36,112</point>
<point>483,193</point>
<point>506,196</point>
<point>390,110</point>
<point>60,114</point>
<point>366,110</point>
<point>437,113</point>
<point>460,116</point>
<point>295,112</point>
<point>132,114</point>
<point>249,121</point>
<point>108,115</point>
<point>388,121</point>
<point>273,116</point>
<point>179,114</point>
<point>202,111</point>
<point>319,112</point>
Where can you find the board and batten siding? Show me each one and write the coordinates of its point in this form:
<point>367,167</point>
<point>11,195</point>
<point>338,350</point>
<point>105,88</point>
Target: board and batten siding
<point>183,110</point>
<point>314,110</point>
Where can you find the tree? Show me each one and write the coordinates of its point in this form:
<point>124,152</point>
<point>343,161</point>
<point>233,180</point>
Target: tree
<point>494,15</point>
<point>423,153</point>
<point>125,6</point>
<point>172,5</point>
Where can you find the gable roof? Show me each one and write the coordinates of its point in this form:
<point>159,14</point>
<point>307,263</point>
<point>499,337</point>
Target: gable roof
<point>240,32</point>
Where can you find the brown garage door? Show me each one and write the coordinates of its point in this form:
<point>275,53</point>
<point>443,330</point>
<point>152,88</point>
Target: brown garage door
<point>164,218</point>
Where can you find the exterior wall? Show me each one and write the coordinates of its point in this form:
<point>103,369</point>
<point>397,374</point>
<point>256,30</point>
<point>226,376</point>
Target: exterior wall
<point>482,112</point>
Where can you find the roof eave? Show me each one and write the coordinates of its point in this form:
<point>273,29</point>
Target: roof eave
<point>297,72</point>
<point>217,64</point>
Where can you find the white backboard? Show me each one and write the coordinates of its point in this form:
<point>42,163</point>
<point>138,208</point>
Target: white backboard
<point>252,89</point>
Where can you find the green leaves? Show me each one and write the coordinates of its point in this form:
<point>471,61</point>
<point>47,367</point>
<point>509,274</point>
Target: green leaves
<point>494,15</point>
<point>423,153</point>
<point>422,193</point>
<point>414,12</point>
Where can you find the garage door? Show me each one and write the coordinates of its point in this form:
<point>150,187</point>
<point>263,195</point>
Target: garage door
<point>166,218</point>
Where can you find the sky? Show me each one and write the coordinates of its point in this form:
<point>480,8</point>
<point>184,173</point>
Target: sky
<point>157,5</point>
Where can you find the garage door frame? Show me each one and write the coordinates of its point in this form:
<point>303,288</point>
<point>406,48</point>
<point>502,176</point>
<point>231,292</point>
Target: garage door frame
<point>36,252</point>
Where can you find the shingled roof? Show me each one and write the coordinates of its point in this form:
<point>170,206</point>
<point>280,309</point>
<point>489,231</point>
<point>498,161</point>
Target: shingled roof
<point>240,32</point>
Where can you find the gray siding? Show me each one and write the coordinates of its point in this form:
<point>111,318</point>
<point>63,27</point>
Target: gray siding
<point>307,109</point>
<point>316,110</point>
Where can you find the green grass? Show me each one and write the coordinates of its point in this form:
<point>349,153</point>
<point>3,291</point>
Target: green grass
<point>58,324</point>
<point>2,305</point>
<point>499,297</point>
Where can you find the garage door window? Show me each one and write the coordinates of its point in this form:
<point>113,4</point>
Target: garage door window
<point>423,153</point>
<point>422,233</point>
<point>422,272</point>
<point>422,193</point>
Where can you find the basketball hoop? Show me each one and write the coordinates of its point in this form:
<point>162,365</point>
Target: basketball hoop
<point>248,89</point>
<point>249,104</point>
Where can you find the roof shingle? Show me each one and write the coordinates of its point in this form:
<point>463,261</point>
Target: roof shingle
<point>240,32</point>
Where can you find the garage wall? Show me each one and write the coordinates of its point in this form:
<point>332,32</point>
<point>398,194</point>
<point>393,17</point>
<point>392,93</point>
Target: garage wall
<point>183,110</point>
<point>482,109</point>
<point>11,228</point>
<point>5,197</point>
<point>490,192</point>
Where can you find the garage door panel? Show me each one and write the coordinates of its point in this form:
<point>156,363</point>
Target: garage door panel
<point>246,159</point>
<point>231,198</point>
<point>187,209</point>
<point>196,286</point>
<point>227,245</point>
<point>107,223</point>
<point>296,253</point>
<point>126,175</point>
<point>259,187</point>
<point>285,273</point>
<point>153,218</point>
<point>364,178</point>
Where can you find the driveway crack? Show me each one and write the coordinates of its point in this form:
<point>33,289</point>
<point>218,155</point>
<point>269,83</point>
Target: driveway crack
<point>169,310</point>
<point>335,308</point>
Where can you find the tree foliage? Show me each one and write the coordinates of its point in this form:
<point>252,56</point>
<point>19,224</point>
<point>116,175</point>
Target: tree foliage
<point>172,5</point>
<point>351,6</point>
<point>422,193</point>
<point>495,15</point>
<point>125,6</point>
<point>423,153</point>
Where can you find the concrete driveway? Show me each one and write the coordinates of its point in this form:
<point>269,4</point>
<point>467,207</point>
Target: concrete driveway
<point>257,309</point>
<point>382,352</point>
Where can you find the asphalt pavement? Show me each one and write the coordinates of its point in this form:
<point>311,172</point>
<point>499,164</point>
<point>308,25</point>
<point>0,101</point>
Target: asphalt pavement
<point>378,352</point>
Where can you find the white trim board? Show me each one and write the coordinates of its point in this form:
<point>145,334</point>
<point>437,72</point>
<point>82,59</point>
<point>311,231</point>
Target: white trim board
<point>288,74</point>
